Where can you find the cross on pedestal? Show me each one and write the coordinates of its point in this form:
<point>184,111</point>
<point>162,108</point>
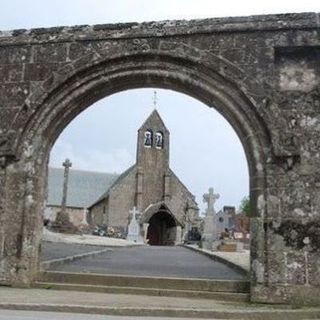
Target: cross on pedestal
<point>134,230</point>
<point>209,228</point>
<point>210,198</point>
<point>62,222</point>
<point>67,164</point>
<point>134,213</point>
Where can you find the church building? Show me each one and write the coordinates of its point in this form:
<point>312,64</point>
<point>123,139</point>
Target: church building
<point>167,208</point>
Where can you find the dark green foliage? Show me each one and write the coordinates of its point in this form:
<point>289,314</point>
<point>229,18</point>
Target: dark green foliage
<point>245,207</point>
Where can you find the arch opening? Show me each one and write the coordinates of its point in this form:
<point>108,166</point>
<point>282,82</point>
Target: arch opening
<point>139,71</point>
<point>78,92</point>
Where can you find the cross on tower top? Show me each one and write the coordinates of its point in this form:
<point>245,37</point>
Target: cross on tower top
<point>155,99</point>
<point>210,198</point>
<point>67,163</point>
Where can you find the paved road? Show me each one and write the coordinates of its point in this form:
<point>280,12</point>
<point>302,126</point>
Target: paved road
<point>52,250</point>
<point>36,315</point>
<point>153,261</point>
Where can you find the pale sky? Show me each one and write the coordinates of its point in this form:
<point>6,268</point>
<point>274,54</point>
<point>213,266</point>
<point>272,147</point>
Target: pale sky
<point>15,14</point>
<point>205,151</point>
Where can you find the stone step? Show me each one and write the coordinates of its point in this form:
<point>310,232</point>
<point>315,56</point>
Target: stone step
<point>187,284</point>
<point>146,305</point>
<point>195,313</point>
<point>224,296</point>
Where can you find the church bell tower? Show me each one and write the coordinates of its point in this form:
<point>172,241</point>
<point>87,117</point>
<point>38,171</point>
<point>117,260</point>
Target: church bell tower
<point>153,142</point>
<point>152,161</point>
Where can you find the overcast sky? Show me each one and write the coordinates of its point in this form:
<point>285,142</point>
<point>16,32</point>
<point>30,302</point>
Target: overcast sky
<point>205,151</point>
<point>36,13</point>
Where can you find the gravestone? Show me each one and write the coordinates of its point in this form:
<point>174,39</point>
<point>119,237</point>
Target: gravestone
<point>134,233</point>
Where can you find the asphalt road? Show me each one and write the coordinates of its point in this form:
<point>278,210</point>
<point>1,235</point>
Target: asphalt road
<point>52,250</point>
<point>38,315</point>
<point>156,261</point>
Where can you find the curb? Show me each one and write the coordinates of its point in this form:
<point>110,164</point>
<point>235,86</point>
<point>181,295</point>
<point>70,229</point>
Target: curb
<point>170,312</point>
<point>227,262</point>
<point>59,261</point>
<point>217,296</point>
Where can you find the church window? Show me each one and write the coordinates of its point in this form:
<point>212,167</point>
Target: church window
<point>220,219</point>
<point>159,140</point>
<point>148,138</point>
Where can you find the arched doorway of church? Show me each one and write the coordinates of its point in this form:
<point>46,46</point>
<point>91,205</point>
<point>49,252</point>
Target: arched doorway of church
<point>162,229</point>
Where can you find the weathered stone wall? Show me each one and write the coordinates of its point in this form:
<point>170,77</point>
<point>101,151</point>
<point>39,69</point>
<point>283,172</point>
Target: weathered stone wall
<point>181,201</point>
<point>76,215</point>
<point>121,201</point>
<point>261,73</point>
<point>98,213</point>
<point>2,220</point>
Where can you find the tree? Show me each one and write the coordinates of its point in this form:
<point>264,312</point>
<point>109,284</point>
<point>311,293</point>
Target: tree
<point>245,206</point>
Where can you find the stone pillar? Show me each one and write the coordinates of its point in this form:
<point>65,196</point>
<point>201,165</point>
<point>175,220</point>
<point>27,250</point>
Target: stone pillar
<point>67,165</point>
<point>189,220</point>
<point>139,188</point>
<point>178,235</point>
<point>22,191</point>
<point>167,187</point>
<point>84,217</point>
<point>145,232</point>
<point>2,218</point>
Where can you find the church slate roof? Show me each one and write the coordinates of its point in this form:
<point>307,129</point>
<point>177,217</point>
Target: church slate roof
<point>84,187</point>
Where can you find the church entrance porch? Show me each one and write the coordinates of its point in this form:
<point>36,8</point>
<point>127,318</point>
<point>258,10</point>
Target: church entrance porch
<point>162,229</point>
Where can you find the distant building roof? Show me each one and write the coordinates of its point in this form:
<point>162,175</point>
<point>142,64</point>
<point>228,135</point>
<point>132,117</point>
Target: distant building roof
<point>84,187</point>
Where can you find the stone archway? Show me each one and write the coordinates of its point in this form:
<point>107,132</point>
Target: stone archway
<point>77,92</point>
<point>49,76</point>
<point>163,227</point>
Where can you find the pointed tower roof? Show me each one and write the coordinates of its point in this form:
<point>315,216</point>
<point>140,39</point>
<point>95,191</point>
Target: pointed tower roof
<point>157,133</point>
<point>153,118</point>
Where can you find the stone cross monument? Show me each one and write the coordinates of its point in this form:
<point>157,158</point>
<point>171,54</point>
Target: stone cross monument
<point>211,198</point>
<point>134,232</point>
<point>62,222</point>
<point>67,164</point>
<point>209,230</point>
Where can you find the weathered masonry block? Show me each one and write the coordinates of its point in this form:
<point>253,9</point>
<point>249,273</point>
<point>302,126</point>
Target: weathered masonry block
<point>262,73</point>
